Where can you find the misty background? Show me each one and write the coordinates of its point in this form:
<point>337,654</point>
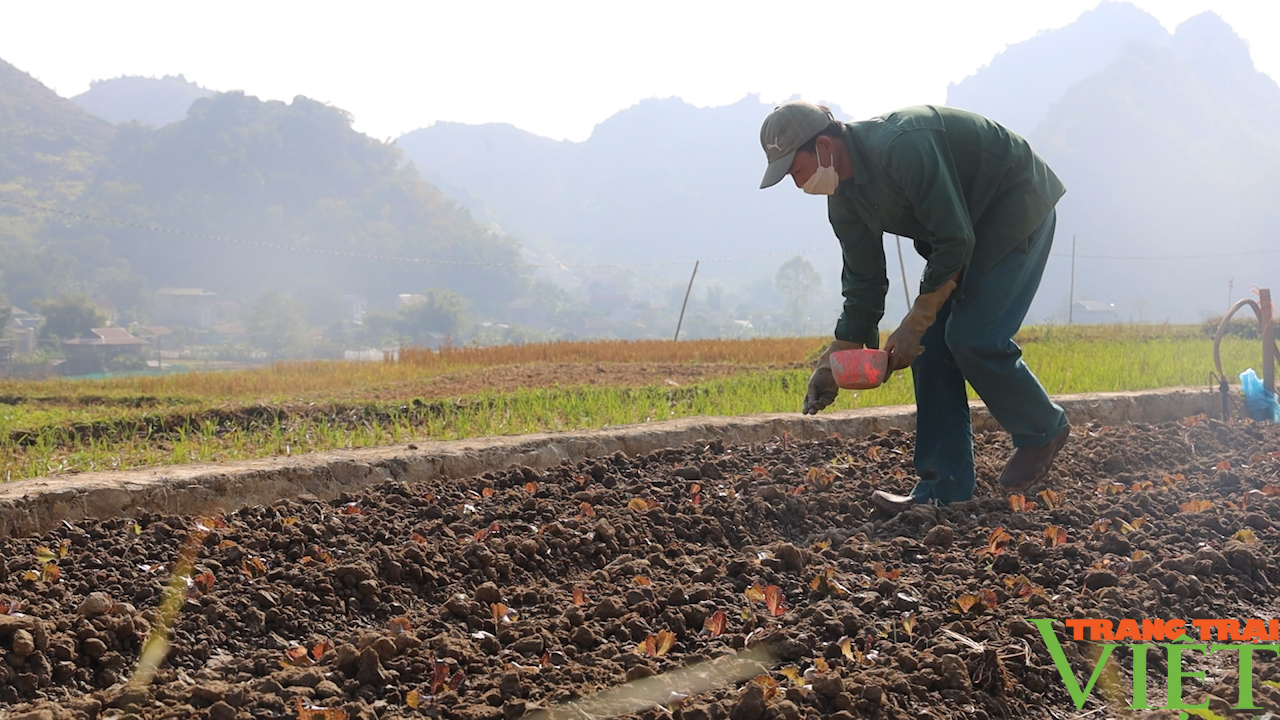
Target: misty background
<point>287,233</point>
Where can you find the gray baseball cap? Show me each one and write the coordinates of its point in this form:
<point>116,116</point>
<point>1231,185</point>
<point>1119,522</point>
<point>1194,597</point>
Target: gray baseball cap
<point>789,126</point>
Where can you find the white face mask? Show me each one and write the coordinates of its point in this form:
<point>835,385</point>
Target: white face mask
<point>824,180</point>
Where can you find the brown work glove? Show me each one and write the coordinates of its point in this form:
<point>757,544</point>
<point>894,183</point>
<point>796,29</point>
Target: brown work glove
<point>822,384</point>
<point>903,345</point>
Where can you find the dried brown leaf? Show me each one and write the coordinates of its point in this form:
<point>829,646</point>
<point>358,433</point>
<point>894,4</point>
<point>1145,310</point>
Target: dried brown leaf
<point>297,655</point>
<point>773,600</point>
<point>253,567</point>
<point>1055,535</point>
<point>320,649</point>
<point>665,641</point>
<point>792,673</point>
<point>820,479</point>
<point>965,603</point>
<point>768,685</point>
<point>1246,535</point>
<point>1052,499</point>
<point>50,573</point>
<point>648,647</point>
<point>879,570</point>
<point>996,541</point>
<point>439,677</point>
<point>846,647</point>
<point>203,582</point>
<point>306,711</point>
<point>716,623</point>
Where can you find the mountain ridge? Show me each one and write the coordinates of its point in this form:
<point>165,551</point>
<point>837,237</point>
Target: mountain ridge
<point>149,101</point>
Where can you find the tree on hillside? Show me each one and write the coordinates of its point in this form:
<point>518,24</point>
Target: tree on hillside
<point>126,290</point>
<point>30,269</point>
<point>797,280</point>
<point>68,317</point>
<point>323,301</point>
<point>440,314</point>
<point>277,324</point>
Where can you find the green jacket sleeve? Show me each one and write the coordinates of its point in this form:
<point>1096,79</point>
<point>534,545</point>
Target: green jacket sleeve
<point>921,163</point>
<point>863,281</point>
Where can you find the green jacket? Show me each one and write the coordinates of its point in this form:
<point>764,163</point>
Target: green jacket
<point>965,189</point>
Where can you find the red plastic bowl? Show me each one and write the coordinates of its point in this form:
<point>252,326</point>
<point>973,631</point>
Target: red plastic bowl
<point>860,369</point>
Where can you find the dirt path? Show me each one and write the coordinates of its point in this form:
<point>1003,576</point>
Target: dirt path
<point>460,597</point>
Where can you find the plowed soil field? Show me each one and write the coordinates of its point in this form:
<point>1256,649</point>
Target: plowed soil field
<point>715,581</point>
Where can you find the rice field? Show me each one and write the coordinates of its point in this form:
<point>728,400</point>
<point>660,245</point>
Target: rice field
<point>56,427</point>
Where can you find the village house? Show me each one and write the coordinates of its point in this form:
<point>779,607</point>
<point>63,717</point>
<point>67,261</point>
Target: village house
<point>95,353</point>
<point>185,307</point>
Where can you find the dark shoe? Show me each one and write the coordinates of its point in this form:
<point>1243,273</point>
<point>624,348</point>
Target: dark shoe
<point>1029,465</point>
<point>890,503</point>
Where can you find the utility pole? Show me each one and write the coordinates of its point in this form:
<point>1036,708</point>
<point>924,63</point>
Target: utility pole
<point>905,295</point>
<point>1230,292</point>
<point>685,304</point>
<point>1071,302</point>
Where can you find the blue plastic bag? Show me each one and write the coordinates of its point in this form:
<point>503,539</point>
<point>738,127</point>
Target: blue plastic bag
<point>1258,401</point>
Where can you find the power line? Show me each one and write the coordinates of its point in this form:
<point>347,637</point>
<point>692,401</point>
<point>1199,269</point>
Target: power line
<point>391,258</point>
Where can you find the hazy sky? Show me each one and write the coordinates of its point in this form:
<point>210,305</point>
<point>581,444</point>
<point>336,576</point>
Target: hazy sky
<point>555,68</point>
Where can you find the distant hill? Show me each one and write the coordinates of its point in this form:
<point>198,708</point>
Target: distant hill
<point>294,175</point>
<point>49,149</point>
<point>660,182</point>
<point>150,101</point>
<point>266,173</point>
<point>1167,144</point>
<point>45,140</point>
<point>1171,150</point>
<point>1020,84</point>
